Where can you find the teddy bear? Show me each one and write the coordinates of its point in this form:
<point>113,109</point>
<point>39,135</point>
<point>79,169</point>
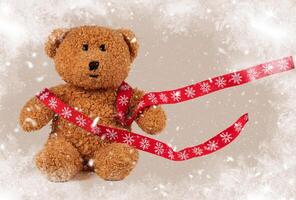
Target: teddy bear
<point>93,61</point>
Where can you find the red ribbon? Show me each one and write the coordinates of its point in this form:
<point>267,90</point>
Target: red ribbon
<point>168,97</point>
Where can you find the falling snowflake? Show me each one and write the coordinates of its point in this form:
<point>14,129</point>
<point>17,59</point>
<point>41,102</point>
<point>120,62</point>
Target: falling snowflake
<point>66,112</point>
<point>111,134</point>
<point>238,127</point>
<point>95,130</point>
<point>190,92</point>
<point>267,69</point>
<point>163,97</point>
<point>53,103</point>
<point>123,100</point>
<point>283,64</point>
<point>125,87</point>
<point>171,154</point>
<point>236,78</point>
<point>80,121</point>
<point>128,139</point>
<point>152,98</point>
<point>205,87</point>
<point>197,151</point>
<point>176,95</point>
<point>226,137</point>
<point>183,155</point>
<point>252,74</point>
<point>44,95</point>
<point>220,82</point>
<point>212,145</point>
<point>144,144</point>
<point>158,148</point>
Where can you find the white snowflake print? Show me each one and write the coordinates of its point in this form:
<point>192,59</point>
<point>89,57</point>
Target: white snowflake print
<point>44,95</point>
<point>212,145</point>
<point>176,95</point>
<point>95,130</point>
<point>53,103</point>
<point>205,87</point>
<point>141,104</point>
<point>124,87</point>
<point>252,74</point>
<point>163,97</point>
<point>283,64</point>
<point>123,100</point>
<point>238,127</point>
<point>267,69</point>
<point>158,148</point>
<point>128,139</point>
<point>80,121</point>
<point>189,92</point>
<point>220,82</point>
<point>152,98</point>
<point>183,155</point>
<point>66,112</point>
<point>40,92</point>
<point>120,115</point>
<point>226,137</point>
<point>236,78</point>
<point>171,154</point>
<point>144,143</point>
<point>111,134</point>
<point>197,151</point>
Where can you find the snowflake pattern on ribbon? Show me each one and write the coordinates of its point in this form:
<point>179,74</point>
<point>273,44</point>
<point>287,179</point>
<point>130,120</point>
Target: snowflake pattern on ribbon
<point>144,144</point>
<point>156,147</point>
<point>190,92</point>
<point>220,82</point>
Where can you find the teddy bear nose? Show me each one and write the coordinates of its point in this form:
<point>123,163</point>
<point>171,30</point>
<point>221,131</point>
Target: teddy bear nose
<point>93,65</point>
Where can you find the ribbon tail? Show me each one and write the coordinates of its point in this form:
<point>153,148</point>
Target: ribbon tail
<point>212,145</point>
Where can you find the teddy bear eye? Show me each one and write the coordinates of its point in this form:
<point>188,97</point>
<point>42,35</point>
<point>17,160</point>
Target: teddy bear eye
<point>102,47</point>
<point>85,47</point>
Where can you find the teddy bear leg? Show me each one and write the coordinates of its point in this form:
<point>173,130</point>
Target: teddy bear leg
<point>115,161</point>
<point>59,160</point>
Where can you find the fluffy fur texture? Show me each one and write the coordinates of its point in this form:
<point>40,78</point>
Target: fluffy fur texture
<point>92,90</point>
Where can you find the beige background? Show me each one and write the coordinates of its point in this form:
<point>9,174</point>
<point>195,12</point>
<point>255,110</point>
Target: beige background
<point>180,43</point>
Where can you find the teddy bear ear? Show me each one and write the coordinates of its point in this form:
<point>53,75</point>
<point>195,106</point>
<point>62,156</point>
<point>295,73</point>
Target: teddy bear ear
<point>131,41</point>
<point>54,40</point>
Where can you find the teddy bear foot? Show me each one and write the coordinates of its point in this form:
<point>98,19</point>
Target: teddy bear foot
<point>59,161</point>
<point>115,161</point>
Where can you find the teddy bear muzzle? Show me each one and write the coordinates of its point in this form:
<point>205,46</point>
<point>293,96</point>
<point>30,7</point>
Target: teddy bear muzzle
<point>93,66</point>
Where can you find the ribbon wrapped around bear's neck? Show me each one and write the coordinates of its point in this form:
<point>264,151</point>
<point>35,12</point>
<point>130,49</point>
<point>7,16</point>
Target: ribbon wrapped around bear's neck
<point>156,147</point>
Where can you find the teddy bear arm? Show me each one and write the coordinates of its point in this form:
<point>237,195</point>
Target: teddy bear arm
<point>153,119</point>
<point>34,114</point>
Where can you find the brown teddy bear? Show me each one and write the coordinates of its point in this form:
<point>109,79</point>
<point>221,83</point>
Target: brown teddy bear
<point>93,61</point>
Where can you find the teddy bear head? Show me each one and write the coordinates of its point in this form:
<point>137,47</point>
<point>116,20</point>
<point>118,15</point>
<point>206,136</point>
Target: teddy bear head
<point>92,57</point>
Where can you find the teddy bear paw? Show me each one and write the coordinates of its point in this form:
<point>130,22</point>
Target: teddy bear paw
<point>115,162</point>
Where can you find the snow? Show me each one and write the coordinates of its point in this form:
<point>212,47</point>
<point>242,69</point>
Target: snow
<point>30,64</point>
<point>90,163</point>
<point>31,121</point>
<point>261,162</point>
<point>95,122</point>
<point>134,40</point>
